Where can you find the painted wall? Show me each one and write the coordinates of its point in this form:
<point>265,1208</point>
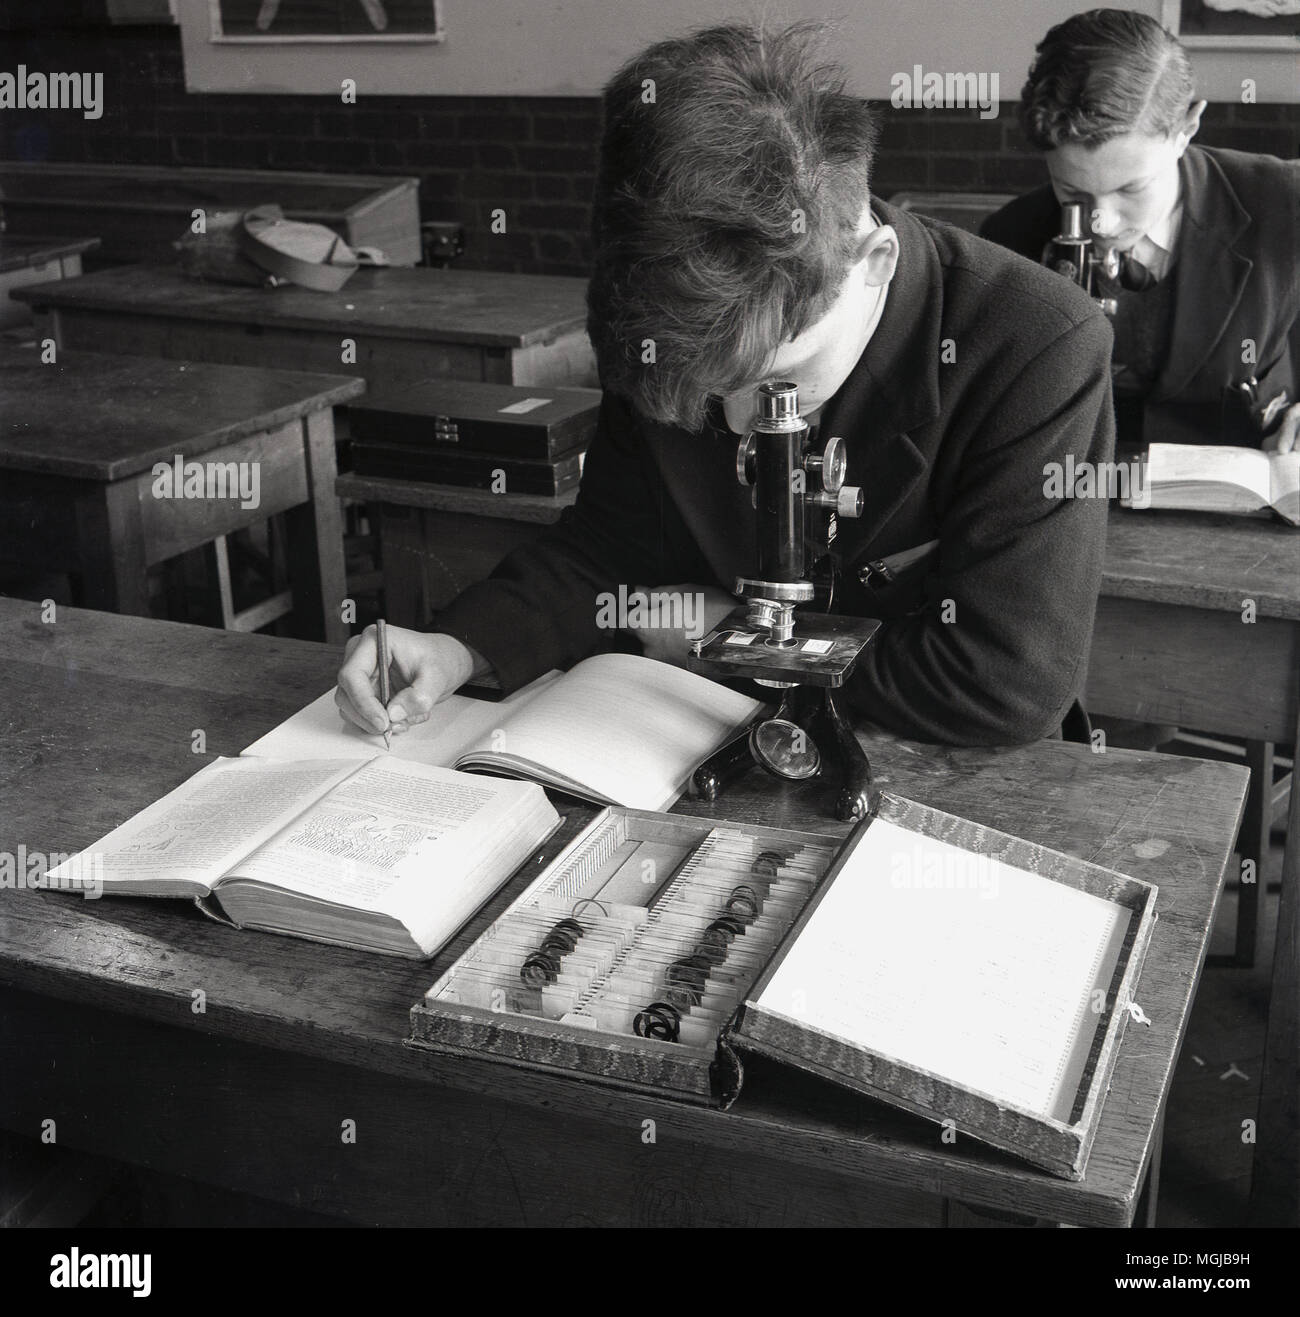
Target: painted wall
<point>569,47</point>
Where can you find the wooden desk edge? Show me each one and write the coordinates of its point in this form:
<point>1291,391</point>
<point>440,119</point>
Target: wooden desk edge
<point>861,1158</point>
<point>323,397</point>
<point>44,249</point>
<point>1210,598</point>
<point>63,295</point>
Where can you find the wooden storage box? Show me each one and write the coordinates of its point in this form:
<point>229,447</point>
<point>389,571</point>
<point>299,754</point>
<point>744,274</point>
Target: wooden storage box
<point>139,211</point>
<point>484,1005</point>
<point>533,422</point>
<point>438,466</point>
<point>450,1018</point>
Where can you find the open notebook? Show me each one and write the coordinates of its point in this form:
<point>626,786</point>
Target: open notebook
<point>614,729</point>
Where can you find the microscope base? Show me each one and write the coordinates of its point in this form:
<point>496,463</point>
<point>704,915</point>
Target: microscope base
<point>816,710</point>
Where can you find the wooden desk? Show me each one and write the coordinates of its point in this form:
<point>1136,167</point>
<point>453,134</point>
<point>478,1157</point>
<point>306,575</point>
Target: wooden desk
<point>1172,645</point>
<point>98,1027</point>
<point>35,261</point>
<point>78,442</point>
<point>435,540</point>
<point>407,325</point>
<point>140,210</point>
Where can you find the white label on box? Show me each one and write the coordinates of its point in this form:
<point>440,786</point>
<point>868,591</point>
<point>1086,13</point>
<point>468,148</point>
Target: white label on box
<point>522,406</point>
<point>818,646</point>
<point>740,638</point>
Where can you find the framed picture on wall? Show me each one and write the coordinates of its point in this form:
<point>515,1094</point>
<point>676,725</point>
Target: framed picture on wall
<point>325,20</point>
<point>1234,24</point>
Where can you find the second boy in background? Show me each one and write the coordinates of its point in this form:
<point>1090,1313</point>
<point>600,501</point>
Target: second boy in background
<point>1209,297</point>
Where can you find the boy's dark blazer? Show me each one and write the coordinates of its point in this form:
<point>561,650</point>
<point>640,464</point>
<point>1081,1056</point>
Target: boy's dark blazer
<point>983,371</point>
<point>1236,277</point>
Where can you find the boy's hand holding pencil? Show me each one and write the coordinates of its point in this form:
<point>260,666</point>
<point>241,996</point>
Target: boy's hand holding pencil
<point>383,698</point>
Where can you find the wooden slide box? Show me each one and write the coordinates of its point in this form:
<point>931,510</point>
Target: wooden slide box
<point>506,420</point>
<point>443,465</point>
<point>701,1074</point>
<point>712,1073</point>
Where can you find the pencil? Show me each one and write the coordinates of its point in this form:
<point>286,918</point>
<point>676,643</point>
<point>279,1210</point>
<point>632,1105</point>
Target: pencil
<point>381,640</point>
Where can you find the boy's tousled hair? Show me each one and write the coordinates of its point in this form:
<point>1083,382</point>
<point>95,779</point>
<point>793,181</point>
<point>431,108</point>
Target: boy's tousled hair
<point>1102,74</point>
<point>733,173</point>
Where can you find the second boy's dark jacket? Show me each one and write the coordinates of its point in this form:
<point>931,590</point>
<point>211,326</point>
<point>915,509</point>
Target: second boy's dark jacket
<point>1236,279</point>
<point>983,372</point>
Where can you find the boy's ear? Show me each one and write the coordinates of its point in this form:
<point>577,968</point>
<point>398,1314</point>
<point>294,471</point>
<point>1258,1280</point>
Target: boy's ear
<point>1191,124</point>
<point>878,255</point>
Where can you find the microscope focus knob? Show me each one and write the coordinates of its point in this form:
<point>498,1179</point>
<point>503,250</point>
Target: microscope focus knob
<point>830,466</point>
<point>1108,262</point>
<point>849,502</point>
<point>746,461</point>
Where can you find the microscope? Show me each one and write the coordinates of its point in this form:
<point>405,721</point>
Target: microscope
<point>798,494</point>
<point>1072,254</point>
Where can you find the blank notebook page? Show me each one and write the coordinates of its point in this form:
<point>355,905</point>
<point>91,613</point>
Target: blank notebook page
<point>957,964</point>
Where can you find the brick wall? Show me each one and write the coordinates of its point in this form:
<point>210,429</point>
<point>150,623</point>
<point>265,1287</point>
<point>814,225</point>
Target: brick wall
<point>533,156</point>
<point>956,150</point>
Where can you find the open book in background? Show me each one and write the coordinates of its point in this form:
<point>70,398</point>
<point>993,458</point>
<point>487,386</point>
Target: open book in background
<point>1203,478</point>
<point>382,855</point>
<point>615,729</point>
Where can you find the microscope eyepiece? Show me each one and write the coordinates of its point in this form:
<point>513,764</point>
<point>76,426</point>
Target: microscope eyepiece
<point>778,400</point>
<point>1071,221</point>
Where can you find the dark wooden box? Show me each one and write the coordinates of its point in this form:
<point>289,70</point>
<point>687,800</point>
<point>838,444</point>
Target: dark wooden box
<point>532,422</point>
<point>489,471</point>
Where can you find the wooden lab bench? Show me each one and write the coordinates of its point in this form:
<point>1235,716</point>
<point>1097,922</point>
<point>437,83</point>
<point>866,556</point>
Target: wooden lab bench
<point>140,210</point>
<point>406,325</point>
<point>98,1029</point>
<point>1175,643</point>
<point>1198,625</point>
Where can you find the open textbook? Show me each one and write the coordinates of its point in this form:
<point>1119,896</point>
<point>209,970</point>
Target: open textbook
<point>615,729</point>
<point>382,855</point>
<point>1203,478</point>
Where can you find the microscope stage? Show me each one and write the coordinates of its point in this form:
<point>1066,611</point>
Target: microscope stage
<point>822,653</point>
